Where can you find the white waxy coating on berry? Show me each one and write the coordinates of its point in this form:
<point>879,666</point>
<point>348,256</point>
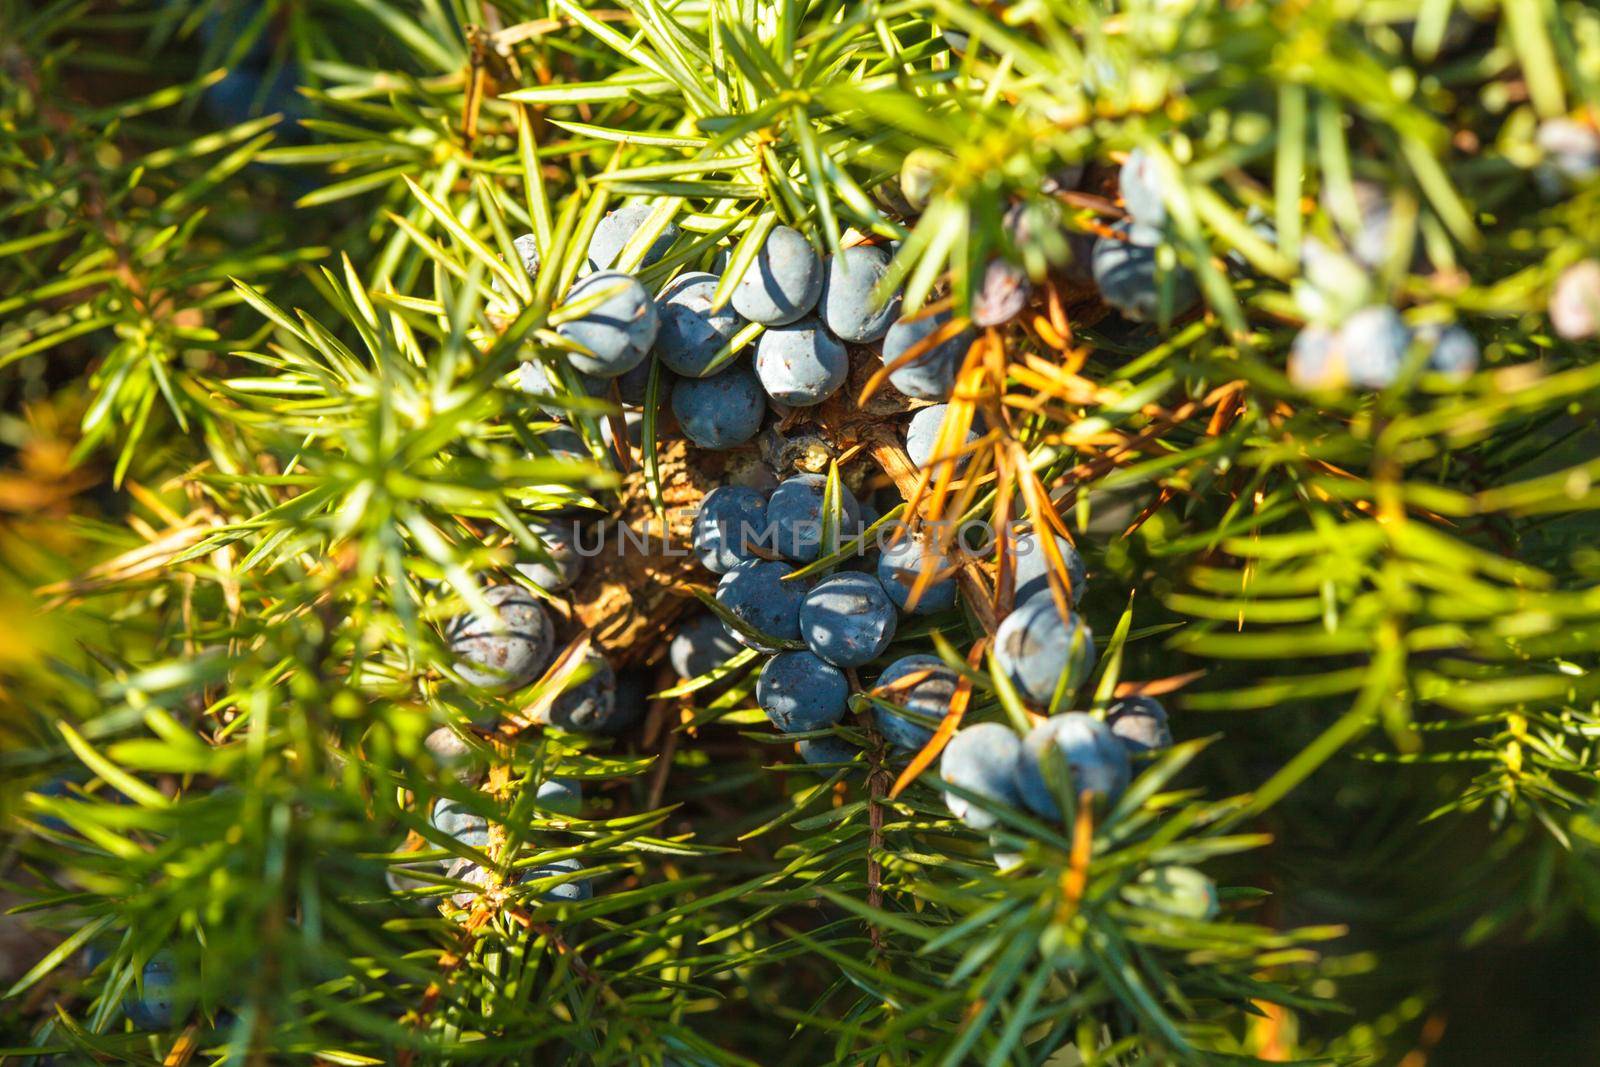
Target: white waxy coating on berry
<point>691,332</point>
<point>507,651</point>
<point>1082,746</point>
<point>800,364</point>
<point>784,281</point>
<point>849,307</point>
<point>982,759</point>
<point>615,334</point>
<point>1045,655</point>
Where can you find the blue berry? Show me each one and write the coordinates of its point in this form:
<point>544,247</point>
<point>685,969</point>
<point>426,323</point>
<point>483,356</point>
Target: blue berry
<point>799,364</point>
<point>827,749</point>
<point>508,658</point>
<point>1032,567</point>
<point>157,1003</point>
<point>591,706</point>
<point>700,645</point>
<point>561,795</point>
<point>932,374</point>
<point>564,564</point>
<point>691,332</point>
<point>246,93</point>
<point>849,306</point>
<point>922,437</point>
<point>455,819</point>
<point>756,594</point>
<point>900,564</point>
<point>721,411</point>
<point>1373,344</point>
<point>1140,182</point>
<point>1140,723</point>
<point>783,283</point>
<point>847,619</point>
<point>563,443</point>
<point>1314,361</point>
<point>928,698</point>
<point>1040,651</point>
<point>982,759</point>
<point>799,692</point>
<point>1092,756</point>
<point>618,332</point>
<point>617,227</point>
<point>795,513</point>
<point>730,525</point>
<point>1130,279</point>
<point>1005,855</point>
<point>1452,350</point>
<point>569,892</point>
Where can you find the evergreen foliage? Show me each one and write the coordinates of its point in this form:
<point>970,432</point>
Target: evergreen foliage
<point>1282,314</point>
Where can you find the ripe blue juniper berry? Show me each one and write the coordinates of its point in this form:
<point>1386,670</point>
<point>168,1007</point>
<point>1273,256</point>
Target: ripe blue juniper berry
<point>563,564</point>
<point>542,383</point>
<point>1032,571</point>
<point>1140,182</point>
<point>1129,275</point>
<point>783,284</point>
<point>159,1000</point>
<point>1046,655</point>
<point>920,684</point>
<point>570,890</point>
<point>1140,723</point>
<point>1373,344</point>
<point>505,652</point>
<point>721,411</point>
<point>931,374</point>
<point>457,819</point>
<point>847,619</point>
<point>618,227</point>
<point>899,565</point>
<point>1084,748</point>
<point>563,796</point>
<point>922,437</point>
<point>982,759</point>
<point>800,692</point>
<point>800,364</point>
<point>692,333</point>
<point>828,749</point>
<point>850,306</point>
<point>615,335</point>
<point>700,644</point>
<point>729,527</point>
<point>795,513</point>
<point>590,705</point>
<point>756,594</point>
